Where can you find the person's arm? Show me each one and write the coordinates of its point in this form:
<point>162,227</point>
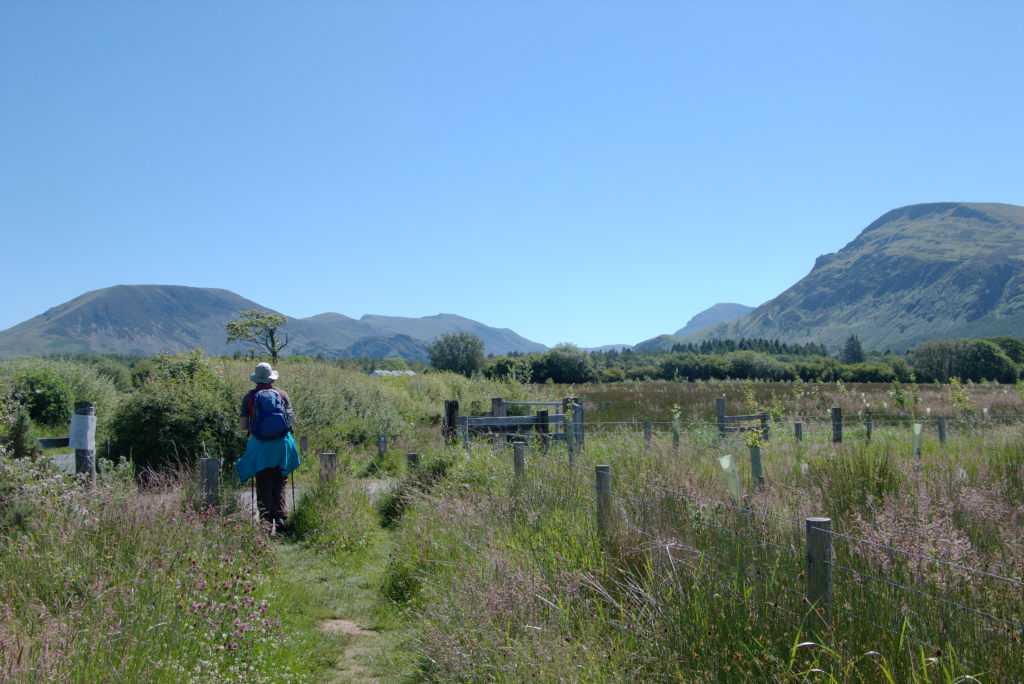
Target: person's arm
<point>243,423</point>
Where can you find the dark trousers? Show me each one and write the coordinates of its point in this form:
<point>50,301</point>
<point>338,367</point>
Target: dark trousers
<point>270,495</point>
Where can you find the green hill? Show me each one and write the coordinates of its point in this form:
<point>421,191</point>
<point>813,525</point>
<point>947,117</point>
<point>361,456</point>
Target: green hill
<point>145,319</point>
<point>918,273</point>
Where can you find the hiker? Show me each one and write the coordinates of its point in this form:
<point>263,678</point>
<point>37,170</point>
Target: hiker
<point>270,454</point>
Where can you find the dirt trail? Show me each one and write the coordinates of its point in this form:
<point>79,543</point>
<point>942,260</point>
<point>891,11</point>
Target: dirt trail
<point>349,669</point>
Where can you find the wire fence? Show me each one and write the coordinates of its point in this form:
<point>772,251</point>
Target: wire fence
<point>901,594</point>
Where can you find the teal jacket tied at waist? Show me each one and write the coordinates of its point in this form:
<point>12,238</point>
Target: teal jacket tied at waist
<point>260,455</point>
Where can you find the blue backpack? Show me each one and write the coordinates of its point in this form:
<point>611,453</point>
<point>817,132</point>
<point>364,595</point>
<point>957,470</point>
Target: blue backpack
<point>269,418</point>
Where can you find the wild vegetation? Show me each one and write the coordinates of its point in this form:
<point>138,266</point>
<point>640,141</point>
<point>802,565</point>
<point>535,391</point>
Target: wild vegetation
<point>997,358</point>
<point>470,574</point>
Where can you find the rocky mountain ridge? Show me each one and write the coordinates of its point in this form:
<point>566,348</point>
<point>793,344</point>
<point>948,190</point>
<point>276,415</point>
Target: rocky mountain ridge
<point>917,273</point>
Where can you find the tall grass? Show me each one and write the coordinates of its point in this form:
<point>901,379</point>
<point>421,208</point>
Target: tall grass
<point>505,580</point>
<point>127,585</point>
<point>509,581</point>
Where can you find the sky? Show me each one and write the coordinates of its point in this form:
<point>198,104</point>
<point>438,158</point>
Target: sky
<point>589,172</point>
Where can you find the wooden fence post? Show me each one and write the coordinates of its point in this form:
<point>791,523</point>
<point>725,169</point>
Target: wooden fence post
<point>648,434</point>
<point>497,407</point>
<point>328,466</point>
<point>413,461</point>
<point>519,461</point>
<point>837,424</point>
<point>765,429</point>
<point>209,472</point>
<point>543,429</point>
<point>579,418</point>
<point>819,567</point>
<point>569,406</point>
<point>755,466</point>
<point>942,430</point>
<point>83,438</point>
<point>303,445</point>
<point>603,476</point>
<point>720,411</point>
<point>798,431</point>
<point>675,432</point>
<point>451,412</point>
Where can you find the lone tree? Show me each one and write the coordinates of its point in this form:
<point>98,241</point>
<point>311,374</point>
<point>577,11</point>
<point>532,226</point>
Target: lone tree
<point>460,352</point>
<point>852,351</point>
<point>566,363</point>
<point>260,328</point>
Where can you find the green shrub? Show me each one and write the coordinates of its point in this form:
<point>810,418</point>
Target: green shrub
<point>20,440</point>
<point>45,395</point>
<point>62,382</point>
<point>179,413</point>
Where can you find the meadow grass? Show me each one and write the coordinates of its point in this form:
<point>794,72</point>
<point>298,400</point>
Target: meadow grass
<point>114,583</point>
<point>121,584</point>
<point>510,580</point>
<point>468,574</point>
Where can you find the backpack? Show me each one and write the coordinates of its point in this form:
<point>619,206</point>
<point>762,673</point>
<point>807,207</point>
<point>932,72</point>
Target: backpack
<point>269,418</point>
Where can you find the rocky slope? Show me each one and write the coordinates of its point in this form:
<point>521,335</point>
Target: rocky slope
<point>918,273</point>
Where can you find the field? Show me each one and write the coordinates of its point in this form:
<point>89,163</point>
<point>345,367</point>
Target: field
<point>687,582</point>
<point>465,572</point>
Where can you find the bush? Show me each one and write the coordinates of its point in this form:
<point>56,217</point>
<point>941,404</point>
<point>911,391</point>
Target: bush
<point>45,395</point>
<point>973,360</point>
<point>182,410</point>
<point>62,382</point>
<point>460,352</point>
<point>564,364</point>
<point>869,372</point>
<point>753,365</point>
<point>20,440</point>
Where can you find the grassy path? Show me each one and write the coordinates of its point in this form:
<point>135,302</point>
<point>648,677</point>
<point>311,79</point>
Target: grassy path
<point>337,604</point>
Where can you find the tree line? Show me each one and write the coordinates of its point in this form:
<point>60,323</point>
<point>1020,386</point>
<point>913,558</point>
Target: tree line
<point>999,359</point>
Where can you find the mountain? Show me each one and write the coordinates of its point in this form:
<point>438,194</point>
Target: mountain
<point>918,273</point>
<point>392,346</point>
<point>496,340</point>
<point>139,319</point>
<point>144,319</point>
<point>719,313</point>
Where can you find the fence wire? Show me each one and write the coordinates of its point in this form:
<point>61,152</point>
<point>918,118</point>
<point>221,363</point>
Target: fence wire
<point>567,475</point>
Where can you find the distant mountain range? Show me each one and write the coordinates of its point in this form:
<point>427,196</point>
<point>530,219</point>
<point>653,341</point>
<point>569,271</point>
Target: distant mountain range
<point>145,319</point>
<point>918,273</point>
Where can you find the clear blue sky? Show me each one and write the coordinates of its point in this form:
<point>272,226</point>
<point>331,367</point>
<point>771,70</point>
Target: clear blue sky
<point>593,172</point>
